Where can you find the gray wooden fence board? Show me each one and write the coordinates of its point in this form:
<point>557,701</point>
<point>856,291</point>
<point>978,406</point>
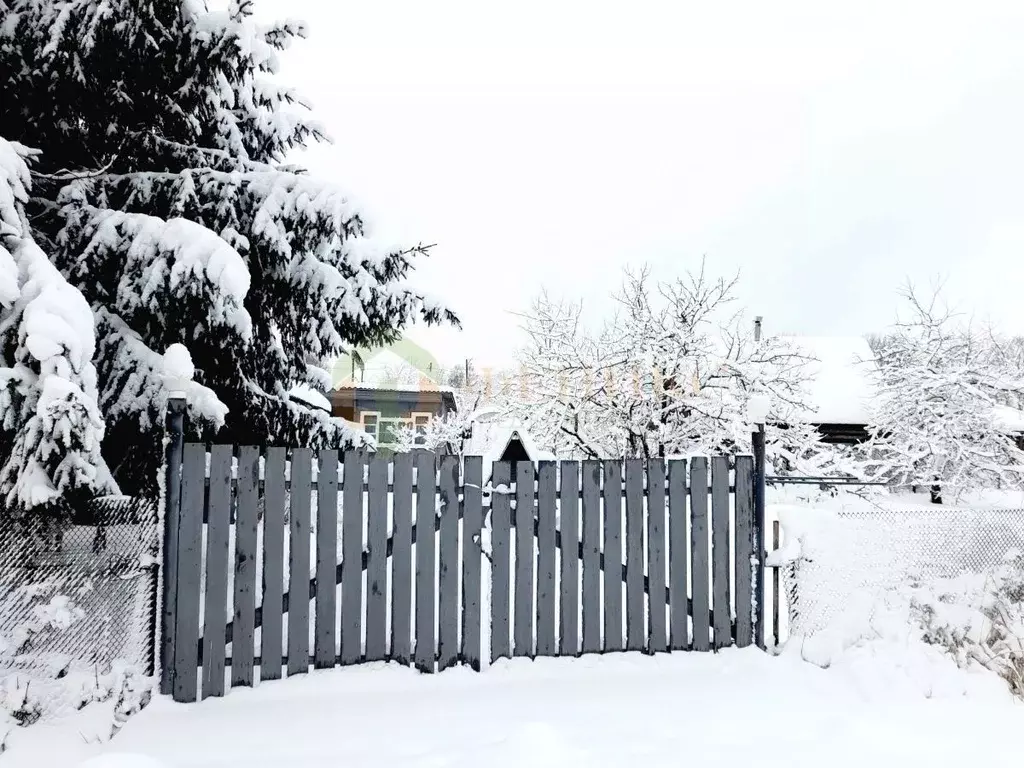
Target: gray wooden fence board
<point>352,558</point>
<point>569,567</point>
<point>591,556</point>
<point>744,550</point>
<point>217,559</point>
<point>190,530</point>
<point>678,555</point>
<point>501,537</point>
<point>471,560</point>
<point>699,530</point>
<point>448,565</point>
<point>524,516</point>
<point>243,648</point>
<point>171,524</point>
<point>426,543</point>
<point>325,630</point>
<point>635,620</point>
<point>657,641</point>
<point>720,551</point>
<point>612,494</point>
<point>377,559</point>
<point>273,565</point>
<point>546,580</point>
<point>298,561</point>
<point>401,561</point>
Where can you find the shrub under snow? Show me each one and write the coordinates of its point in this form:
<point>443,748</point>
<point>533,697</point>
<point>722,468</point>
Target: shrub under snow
<point>898,589</point>
<point>978,618</point>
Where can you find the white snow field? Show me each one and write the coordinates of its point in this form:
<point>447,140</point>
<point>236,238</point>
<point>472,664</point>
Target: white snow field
<point>879,705</point>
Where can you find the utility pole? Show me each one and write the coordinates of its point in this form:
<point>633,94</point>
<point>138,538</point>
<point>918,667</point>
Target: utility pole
<point>467,373</point>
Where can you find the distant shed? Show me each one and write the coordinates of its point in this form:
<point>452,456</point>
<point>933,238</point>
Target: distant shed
<point>840,385</point>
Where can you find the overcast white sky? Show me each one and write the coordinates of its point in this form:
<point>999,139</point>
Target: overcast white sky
<point>827,150</point>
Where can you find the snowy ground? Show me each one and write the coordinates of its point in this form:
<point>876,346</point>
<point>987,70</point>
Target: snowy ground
<point>875,707</point>
<point>875,694</point>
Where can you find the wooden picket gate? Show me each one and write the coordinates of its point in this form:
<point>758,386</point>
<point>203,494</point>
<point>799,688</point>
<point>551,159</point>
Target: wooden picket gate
<point>431,562</point>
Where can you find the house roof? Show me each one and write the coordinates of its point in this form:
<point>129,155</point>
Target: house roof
<point>346,396</point>
<point>424,386</point>
<point>489,439</point>
<point>1010,420</point>
<point>840,385</point>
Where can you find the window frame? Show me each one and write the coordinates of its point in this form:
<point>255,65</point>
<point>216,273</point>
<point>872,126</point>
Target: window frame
<point>376,425</point>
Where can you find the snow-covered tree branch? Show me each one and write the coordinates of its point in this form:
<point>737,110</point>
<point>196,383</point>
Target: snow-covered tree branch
<point>50,425</point>
<point>936,421</point>
<point>670,373</point>
<point>161,191</point>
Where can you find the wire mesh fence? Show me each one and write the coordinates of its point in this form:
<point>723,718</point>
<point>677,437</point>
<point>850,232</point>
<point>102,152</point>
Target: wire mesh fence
<point>862,553</point>
<point>82,594</point>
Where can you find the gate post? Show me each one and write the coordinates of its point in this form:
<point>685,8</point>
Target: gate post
<point>174,442</point>
<point>760,547</point>
<point>758,407</point>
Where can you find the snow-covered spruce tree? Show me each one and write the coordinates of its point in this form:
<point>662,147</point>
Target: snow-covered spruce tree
<point>50,425</point>
<point>669,374</point>
<point>934,418</point>
<point>162,193</point>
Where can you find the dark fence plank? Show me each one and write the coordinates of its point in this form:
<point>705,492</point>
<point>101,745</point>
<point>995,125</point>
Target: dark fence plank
<point>635,619</point>
<point>546,582</point>
<point>351,559</point>
<point>326,621</point>
<point>448,565</point>
<point>171,525</point>
<point>569,567</point>
<point>218,556</point>
<point>298,561</point>
<point>426,544</point>
<point>612,494</point>
<point>720,564</point>
<point>657,641</point>
<point>273,565</point>
<point>524,516</point>
<point>401,560</point>
<point>377,559</point>
<point>471,559</point>
<point>591,556</point>
<point>699,530</point>
<point>501,536</point>
<point>243,648</point>
<point>678,554</point>
<point>190,541</point>
<point>744,550</point>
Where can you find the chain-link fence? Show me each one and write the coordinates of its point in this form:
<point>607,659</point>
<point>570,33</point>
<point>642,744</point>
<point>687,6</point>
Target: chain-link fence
<point>82,594</point>
<point>856,555</point>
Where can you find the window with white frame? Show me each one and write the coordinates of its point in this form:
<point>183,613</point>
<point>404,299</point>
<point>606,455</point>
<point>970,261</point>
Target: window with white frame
<point>370,421</point>
<point>420,423</point>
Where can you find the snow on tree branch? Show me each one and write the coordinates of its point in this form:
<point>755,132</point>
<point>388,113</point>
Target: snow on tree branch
<point>50,426</point>
<point>670,373</point>
<point>940,385</point>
